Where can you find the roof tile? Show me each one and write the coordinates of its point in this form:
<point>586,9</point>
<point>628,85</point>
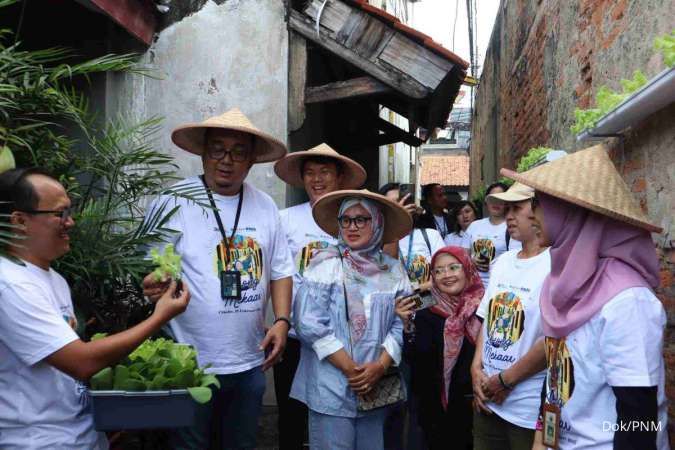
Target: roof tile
<point>451,170</point>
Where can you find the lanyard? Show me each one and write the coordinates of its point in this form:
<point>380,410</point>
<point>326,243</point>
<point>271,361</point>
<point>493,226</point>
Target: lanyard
<point>406,263</point>
<point>220,223</point>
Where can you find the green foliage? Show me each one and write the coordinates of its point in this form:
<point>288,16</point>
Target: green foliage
<point>168,263</point>
<point>157,365</point>
<point>605,101</point>
<point>109,168</point>
<point>479,197</point>
<point>532,157</point>
<point>6,159</point>
<point>666,45</point>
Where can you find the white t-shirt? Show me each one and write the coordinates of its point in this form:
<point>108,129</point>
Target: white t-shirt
<point>40,406</point>
<point>489,241</point>
<point>418,262</point>
<point>461,239</point>
<point>227,333</point>
<point>622,345</point>
<point>511,326</point>
<point>304,237</point>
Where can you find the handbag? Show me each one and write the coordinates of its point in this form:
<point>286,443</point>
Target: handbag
<point>389,388</point>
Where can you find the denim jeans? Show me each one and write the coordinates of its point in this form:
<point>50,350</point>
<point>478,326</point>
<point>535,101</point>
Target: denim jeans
<point>364,432</point>
<point>231,415</point>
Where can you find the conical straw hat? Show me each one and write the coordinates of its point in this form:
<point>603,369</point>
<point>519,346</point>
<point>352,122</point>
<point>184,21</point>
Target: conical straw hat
<point>397,221</point>
<point>190,136</point>
<point>589,179</point>
<point>289,167</point>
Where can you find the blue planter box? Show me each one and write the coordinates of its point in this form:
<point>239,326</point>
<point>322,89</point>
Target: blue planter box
<point>123,410</point>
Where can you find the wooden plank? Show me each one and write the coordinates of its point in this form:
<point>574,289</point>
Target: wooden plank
<point>297,79</point>
<point>341,90</point>
<point>334,14</point>
<point>394,78</point>
<point>411,58</point>
<point>395,132</point>
<point>135,16</point>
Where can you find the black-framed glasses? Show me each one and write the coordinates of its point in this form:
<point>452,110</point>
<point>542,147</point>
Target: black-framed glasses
<point>238,152</point>
<point>359,221</point>
<point>63,214</point>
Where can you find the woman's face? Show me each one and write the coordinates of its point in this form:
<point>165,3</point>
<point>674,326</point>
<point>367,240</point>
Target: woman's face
<point>356,227</point>
<point>538,224</point>
<point>496,208</point>
<point>448,274</point>
<point>465,216</point>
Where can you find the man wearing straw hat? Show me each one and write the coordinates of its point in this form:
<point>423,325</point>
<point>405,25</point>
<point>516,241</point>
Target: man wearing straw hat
<point>319,170</point>
<point>234,255</point>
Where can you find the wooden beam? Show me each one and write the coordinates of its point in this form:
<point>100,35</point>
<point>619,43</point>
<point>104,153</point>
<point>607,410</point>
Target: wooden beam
<point>391,131</point>
<point>391,77</point>
<point>341,90</point>
<point>135,16</point>
<point>297,80</point>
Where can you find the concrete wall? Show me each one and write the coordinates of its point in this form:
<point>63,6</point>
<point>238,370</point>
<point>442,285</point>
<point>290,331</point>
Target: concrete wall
<point>232,54</point>
<point>548,57</point>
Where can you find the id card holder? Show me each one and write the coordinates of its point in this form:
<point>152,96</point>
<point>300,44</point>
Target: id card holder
<point>551,423</point>
<point>230,285</point>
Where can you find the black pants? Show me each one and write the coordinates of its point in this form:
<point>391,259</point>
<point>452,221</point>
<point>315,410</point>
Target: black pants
<point>292,413</point>
<point>456,422</point>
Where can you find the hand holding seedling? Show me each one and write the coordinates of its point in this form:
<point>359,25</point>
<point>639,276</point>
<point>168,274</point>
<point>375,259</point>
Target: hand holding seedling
<point>168,267</point>
<point>172,303</point>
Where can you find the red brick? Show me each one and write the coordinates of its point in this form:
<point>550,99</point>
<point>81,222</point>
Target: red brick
<point>639,185</point>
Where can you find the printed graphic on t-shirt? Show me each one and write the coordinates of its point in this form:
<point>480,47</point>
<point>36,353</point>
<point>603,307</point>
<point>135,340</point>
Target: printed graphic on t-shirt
<point>419,270</point>
<point>505,321</point>
<point>305,255</point>
<point>559,373</point>
<point>245,256</point>
<point>484,249</point>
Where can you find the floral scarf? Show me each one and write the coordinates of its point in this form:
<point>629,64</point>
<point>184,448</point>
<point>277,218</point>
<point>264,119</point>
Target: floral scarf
<point>459,313</point>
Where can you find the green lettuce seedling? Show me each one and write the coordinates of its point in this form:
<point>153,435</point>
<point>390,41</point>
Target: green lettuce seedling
<point>157,365</point>
<point>168,263</point>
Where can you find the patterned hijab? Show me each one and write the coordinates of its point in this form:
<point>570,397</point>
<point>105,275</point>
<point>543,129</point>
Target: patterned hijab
<point>459,313</point>
<point>364,268</point>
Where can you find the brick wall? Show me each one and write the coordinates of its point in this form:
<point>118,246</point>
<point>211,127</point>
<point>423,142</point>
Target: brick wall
<point>548,57</point>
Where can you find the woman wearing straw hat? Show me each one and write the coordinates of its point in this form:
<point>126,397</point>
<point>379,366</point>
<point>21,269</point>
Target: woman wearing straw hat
<point>603,325</point>
<point>235,255</point>
<point>344,317</point>
<point>319,170</point>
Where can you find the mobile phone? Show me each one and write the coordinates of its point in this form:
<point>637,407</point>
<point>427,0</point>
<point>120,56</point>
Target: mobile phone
<point>406,189</point>
<point>421,301</point>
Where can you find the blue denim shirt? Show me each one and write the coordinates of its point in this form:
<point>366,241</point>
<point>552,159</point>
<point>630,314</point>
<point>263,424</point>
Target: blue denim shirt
<point>321,325</point>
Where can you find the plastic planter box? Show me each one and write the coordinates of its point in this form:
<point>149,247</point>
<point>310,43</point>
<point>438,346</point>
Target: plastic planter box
<point>124,410</point>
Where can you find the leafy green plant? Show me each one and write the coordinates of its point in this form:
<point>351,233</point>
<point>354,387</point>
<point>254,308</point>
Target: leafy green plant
<point>169,263</point>
<point>156,365</point>
<point>532,157</point>
<point>109,168</point>
<point>6,159</point>
<point>666,45</point>
<point>606,100</point>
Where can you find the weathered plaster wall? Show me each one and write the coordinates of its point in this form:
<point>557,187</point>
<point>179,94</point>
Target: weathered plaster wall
<point>226,54</point>
<point>548,57</point>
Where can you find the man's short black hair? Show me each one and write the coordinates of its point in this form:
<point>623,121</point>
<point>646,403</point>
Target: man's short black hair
<point>427,189</point>
<point>496,185</point>
<point>319,159</point>
<point>389,187</point>
<point>16,192</point>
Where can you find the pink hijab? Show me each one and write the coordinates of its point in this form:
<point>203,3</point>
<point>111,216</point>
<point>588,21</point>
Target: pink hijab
<point>459,313</point>
<point>593,258</point>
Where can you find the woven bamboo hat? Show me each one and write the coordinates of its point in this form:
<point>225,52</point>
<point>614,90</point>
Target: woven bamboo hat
<point>589,179</point>
<point>397,221</point>
<point>289,167</point>
<point>518,192</point>
<point>190,137</point>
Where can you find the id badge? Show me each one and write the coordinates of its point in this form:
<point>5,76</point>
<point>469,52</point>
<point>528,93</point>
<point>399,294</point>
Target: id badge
<point>551,422</point>
<point>230,285</point>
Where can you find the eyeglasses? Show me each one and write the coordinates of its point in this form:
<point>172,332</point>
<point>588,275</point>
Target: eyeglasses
<point>450,268</point>
<point>238,153</point>
<point>63,214</point>
<point>359,221</point>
